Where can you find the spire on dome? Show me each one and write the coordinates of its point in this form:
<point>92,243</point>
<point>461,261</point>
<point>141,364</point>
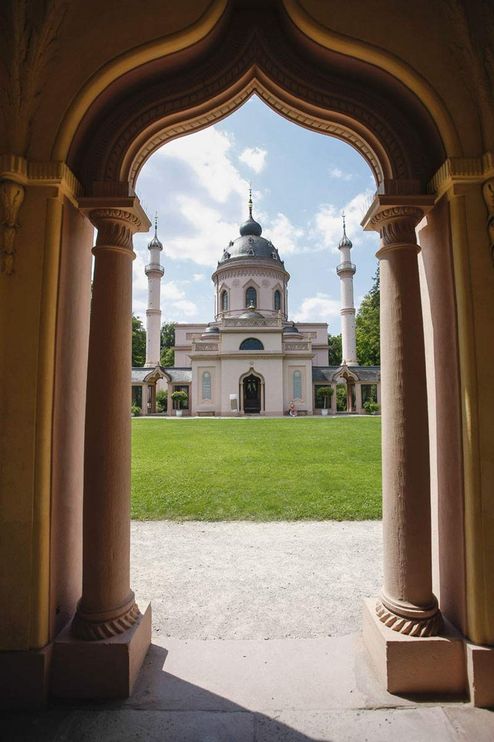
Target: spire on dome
<point>250,227</point>
<point>155,243</point>
<point>344,242</point>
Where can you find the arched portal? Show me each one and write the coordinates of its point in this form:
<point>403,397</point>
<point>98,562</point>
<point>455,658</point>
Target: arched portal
<point>252,393</point>
<point>327,91</point>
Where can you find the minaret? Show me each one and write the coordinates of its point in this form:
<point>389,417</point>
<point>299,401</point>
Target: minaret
<point>154,271</point>
<point>345,271</point>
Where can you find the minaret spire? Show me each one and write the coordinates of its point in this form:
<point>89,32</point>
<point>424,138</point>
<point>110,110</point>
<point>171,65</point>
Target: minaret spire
<point>250,201</point>
<point>346,271</point>
<point>154,272</point>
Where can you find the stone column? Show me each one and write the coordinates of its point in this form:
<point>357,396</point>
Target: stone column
<point>333,399</point>
<point>107,607</point>
<point>358,398</point>
<point>407,603</point>
<point>378,393</point>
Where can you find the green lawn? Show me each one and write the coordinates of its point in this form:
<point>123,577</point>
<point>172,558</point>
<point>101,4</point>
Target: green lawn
<point>256,469</point>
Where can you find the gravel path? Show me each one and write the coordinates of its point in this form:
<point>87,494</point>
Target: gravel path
<point>247,580</point>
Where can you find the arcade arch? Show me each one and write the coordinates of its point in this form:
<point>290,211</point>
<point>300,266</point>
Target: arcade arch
<point>341,95</point>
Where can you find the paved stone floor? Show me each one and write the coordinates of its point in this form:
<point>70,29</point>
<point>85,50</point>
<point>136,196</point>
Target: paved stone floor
<point>248,677</point>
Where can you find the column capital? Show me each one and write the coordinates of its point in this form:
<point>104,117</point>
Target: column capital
<point>117,219</point>
<point>391,209</point>
<point>395,218</point>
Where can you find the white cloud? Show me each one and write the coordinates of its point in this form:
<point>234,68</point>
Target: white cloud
<point>284,235</point>
<point>335,172</point>
<point>328,222</point>
<point>254,157</point>
<point>198,276</point>
<point>318,308</point>
<point>207,153</point>
<point>212,233</point>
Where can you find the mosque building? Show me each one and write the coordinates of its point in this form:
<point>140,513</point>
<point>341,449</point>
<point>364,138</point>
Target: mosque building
<point>252,360</point>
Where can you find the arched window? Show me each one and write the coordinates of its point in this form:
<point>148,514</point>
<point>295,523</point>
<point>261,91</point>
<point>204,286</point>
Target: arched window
<point>206,385</point>
<point>297,385</point>
<point>277,300</point>
<point>251,297</point>
<point>251,344</point>
<point>224,301</point>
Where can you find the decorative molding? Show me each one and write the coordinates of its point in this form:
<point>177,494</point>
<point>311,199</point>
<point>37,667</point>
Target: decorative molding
<point>429,626</point>
<point>232,272</point>
<point>457,169</point>
<point>488,194</point>
<point>54,173</point>
<point>204,346</point>
<point>265,322</point>
<point>456,172</point>
<point>396,224</point>
<point>27,47</point>
<point>11,198</point>
<point>87,630</point>
<point>254,61</point>
<point>296,346</point>
<point>26,172</point>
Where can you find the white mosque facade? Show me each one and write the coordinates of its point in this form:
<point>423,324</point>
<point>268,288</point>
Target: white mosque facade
<point>251,359</point>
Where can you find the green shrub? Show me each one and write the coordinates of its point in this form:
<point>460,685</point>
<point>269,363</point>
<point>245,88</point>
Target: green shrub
<point>162,401</point>
<point>371,407</point>
<point>324,394</point>
<point>135,410</point>
<point>341,398</point>
<point>180,397</point>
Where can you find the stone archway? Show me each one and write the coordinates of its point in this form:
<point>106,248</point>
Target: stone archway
<point>328,91</point>
<point>108,153</point>
<point>252,390</point>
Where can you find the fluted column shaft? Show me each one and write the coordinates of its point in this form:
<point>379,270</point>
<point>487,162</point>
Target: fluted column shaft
<point>107,606</point>
<point>407,602</point>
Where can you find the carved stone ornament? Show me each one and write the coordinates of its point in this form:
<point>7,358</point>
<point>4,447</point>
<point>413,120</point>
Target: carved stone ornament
<point>11,198</point>
<point>429,626</point>
<point>396,225</point>
<point>115,227</point>
<point>28,43</point>
<point>488,193</point>
<point>88,629</point>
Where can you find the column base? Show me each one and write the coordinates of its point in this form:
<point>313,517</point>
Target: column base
<point>107,668</point>
<point>24,678</point>
<point>408,665</point>
<point>480,669</point>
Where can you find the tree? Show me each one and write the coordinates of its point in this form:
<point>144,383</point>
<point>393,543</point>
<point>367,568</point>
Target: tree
<point>138,342</point>
<point>334,350</point>
<point>167,357</point>
<point>367,326</point>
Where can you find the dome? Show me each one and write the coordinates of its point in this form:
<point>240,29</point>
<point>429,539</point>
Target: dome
<point>250,243</point>
<point>345,242</point>
<point>290,329</point>
<point>211,330</point>
<point>250,227</point>
<point>155,243</point>
<point>251,314</point>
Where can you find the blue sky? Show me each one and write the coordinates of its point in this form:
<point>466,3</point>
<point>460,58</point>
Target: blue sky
<point>301,183</point>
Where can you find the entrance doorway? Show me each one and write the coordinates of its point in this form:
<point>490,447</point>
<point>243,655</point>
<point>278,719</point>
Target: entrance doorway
<point>252,394</point>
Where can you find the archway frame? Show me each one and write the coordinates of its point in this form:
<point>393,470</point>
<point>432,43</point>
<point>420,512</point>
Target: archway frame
<point>458,171</point>
<point>400,142</point>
